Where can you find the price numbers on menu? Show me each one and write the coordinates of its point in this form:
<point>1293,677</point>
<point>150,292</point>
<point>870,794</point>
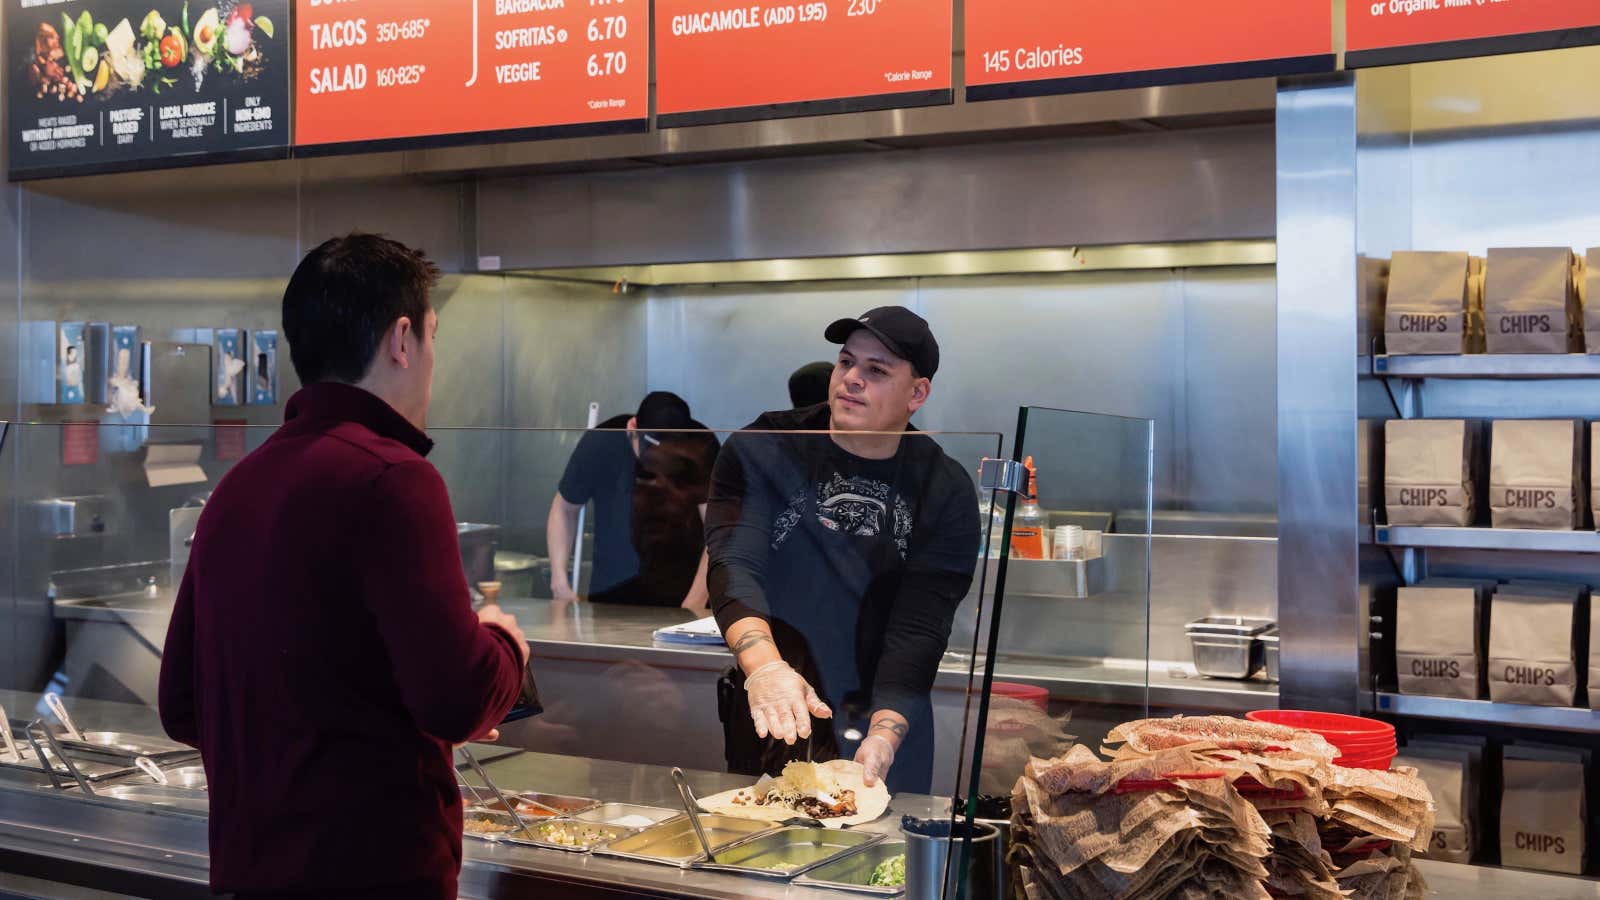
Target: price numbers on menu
<point>612,62</point>
<point>862,8</point>
<point>408,30</point>
<point>607,28</point>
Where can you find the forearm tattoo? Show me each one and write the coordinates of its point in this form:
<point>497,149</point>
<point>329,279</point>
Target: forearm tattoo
<point>890,727</point>
<point>750,639</point>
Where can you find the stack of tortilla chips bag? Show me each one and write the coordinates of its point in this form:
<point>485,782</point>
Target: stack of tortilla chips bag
<point>1212,806</point>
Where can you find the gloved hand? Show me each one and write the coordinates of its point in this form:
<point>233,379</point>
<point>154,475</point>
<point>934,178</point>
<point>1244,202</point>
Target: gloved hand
<point>782,703</point>
<point>876,755</point>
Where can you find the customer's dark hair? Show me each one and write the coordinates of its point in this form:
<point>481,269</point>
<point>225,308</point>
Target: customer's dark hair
<point>344,296</point>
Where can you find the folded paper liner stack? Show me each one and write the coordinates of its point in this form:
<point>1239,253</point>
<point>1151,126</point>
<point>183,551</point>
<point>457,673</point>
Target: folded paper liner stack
<point>1215,807</point>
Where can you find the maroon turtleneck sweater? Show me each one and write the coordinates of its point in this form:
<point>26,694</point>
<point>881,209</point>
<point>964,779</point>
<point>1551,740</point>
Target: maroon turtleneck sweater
<point>324,656</point>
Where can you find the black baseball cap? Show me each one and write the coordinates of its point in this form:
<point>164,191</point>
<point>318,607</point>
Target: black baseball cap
<point>663,411</point>
<point>808,386</point>
<point>905,333</point>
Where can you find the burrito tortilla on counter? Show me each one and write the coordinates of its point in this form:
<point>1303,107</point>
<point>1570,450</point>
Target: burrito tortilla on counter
<point>834,793</point>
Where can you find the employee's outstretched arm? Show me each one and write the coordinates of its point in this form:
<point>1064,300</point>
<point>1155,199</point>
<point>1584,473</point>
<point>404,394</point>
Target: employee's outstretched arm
<point>561,529</point>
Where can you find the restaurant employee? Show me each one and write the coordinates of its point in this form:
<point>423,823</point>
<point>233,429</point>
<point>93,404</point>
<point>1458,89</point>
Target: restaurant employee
<point>323,654</point>
<point>837,562</point>
<point>647,475</point>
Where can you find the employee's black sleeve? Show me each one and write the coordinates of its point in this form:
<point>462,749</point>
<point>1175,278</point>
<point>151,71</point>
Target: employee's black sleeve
<point>578,479</point>
<point>938,574</point>
<point>739,516</point>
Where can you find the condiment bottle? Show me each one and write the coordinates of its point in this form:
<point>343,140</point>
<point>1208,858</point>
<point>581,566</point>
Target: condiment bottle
<point>1028,527</point>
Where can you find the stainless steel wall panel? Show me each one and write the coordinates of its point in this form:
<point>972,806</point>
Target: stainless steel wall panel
<point>729,350</point>
<point>1529,188</point>
<point>566,345</point>
<point>1228,462</point>
<point>1316,351</point>
<point>1192,185</point>
<point>1186,349</point>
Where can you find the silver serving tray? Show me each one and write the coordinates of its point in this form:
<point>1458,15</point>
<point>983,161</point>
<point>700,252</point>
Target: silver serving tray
<point>92,770</point>
<point>851,872</point>
<point>157,795</point>
<point>609,833</point>
<point>126,745</point>
<point>612,813</point>
<point>809,846</point>
<point>562,804</point>
<point>191,778</point>
<point>673,842</point>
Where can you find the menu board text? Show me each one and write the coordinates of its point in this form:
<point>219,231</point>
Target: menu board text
<point>399,69</point>
<point>1070,45</point>
<point>723,60</point>
<point>1386,32</point>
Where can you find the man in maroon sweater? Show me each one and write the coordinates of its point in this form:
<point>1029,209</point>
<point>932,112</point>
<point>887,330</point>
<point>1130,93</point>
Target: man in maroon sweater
<point>323,653</point>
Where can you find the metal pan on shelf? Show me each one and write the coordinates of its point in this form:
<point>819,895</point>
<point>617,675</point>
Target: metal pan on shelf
<point>673,842</point>
<point>788,852</point>
<point>853,872</point>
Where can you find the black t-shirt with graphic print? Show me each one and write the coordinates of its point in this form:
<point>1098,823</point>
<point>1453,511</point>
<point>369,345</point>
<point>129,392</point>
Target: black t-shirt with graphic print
<point>859,564</point>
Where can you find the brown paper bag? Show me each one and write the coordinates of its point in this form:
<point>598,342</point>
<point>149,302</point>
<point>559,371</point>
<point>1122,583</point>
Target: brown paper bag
<point>1447,781</point>
<point>1591,300</point>
<point>1428,302</point>
<point>1437,648</point>
<point>1531,304</point>
<point>1428,471</point>
<point>1531,644</point>
<point>1372,277</point>
<point>1594,659</point>
<point>1594,472</point>
<point>1542,815</point>
<point>1536,474</point>
<point>1369,466</point>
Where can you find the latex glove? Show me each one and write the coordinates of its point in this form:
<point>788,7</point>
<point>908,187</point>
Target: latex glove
<point>782,703</point>
<point>876,755</point>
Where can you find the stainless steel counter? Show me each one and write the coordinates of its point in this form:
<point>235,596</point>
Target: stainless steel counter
<point>129,844</point>
<point>134,842</point>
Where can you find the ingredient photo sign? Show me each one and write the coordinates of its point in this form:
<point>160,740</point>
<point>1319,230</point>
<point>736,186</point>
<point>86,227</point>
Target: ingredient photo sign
<point>108,85</point>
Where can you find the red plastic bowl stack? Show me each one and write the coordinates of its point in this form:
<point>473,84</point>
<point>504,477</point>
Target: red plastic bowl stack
<point>1362,743</point>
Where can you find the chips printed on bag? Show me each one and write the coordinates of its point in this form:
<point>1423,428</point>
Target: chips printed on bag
<point>1531,303</point>
<point>1429,471</point>
<point>1438,641</point>
<point>1542,814</point>
<point>1532,644</point>
<point>1429,304</point>
<point>1536,474</point>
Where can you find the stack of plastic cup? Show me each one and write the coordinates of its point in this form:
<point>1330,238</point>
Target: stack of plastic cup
<point>1068,543</point>
<point>1362,743</point>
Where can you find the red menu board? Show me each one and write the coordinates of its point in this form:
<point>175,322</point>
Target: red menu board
<point>1389,32</point>
<point>451,70</point>
<point>1020,48</point>
<point>734,60</point>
